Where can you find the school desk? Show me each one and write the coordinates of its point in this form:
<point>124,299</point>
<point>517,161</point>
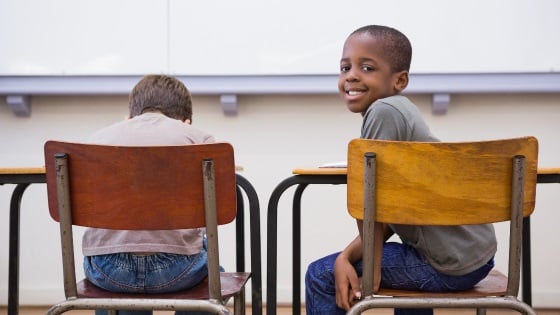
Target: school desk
<point>303,177</point>
<point>23,177</point>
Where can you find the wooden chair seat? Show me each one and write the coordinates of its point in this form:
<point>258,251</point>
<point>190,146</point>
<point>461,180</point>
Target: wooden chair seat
<point>495,284</point>
<point>232,283</point>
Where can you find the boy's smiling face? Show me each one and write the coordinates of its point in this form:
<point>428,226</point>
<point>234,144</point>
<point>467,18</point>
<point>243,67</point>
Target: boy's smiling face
<point>365,74</point>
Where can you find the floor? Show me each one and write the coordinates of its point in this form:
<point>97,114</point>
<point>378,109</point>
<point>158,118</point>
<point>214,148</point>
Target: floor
<point>288,311</point>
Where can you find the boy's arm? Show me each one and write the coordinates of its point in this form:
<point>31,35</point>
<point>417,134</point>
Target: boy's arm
<point>347,283</point>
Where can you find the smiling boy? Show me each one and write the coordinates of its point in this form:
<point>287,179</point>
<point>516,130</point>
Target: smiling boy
<point>373,72</point>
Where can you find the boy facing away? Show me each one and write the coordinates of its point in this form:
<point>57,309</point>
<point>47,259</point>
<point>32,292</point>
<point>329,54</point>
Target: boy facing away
<point>373,72</point>
<point>160,113</point>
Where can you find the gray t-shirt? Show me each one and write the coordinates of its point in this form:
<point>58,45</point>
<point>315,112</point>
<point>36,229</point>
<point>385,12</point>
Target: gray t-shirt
<point>452,250</point>
<point>146,130</point>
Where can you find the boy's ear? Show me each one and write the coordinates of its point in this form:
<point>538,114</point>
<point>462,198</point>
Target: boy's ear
<point>401,81</point>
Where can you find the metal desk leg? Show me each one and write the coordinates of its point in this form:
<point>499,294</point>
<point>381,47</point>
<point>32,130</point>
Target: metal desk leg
<point>296,254</point>
<point>272,243</point>
<point>240,233</point>
<point>272,234</point>
<point>255,223</point>
<point>271,252</point>
<point>13,269</point>
<point>527,290</point>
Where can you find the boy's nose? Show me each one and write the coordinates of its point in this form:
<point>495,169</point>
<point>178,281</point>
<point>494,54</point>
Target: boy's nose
<point>351,76</point>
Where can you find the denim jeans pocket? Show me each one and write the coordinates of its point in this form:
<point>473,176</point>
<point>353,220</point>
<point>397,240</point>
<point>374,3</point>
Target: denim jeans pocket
<point>157,273</point>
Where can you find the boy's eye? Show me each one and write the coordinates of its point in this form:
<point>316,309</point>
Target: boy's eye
<point>367,68</point>
<point>344,68</point>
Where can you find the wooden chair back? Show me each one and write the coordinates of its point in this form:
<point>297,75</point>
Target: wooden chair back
<point>144,188</point>
<point>437,183</point>
<point>141,188</point>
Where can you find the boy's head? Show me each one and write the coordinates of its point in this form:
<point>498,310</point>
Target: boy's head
<point>395,45</point>
<point>375,63</point>
<point>161,93</point>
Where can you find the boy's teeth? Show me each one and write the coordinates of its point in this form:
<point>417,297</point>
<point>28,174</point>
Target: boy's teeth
<point>354,92</point>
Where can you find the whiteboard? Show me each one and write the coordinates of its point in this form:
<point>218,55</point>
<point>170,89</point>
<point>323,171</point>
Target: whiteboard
<point>256,37</point>
<point>82,37</point>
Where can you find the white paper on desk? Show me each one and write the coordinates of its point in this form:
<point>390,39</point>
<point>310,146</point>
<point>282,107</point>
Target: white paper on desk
<point>340,164</point>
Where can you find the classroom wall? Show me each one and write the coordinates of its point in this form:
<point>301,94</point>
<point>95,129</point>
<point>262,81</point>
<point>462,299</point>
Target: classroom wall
<point>273,134</point>
<point>67,37</point>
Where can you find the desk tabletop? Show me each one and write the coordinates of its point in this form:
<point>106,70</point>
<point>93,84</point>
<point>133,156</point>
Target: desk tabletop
<point>297,171</point>
<point>22,170</point>
<point>342,171</point>
<point>548,170</point>
<point>41,170</point>
<point>320,171</point>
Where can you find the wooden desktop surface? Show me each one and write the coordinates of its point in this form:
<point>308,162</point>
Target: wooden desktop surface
<point>22,170</point>
<point>41,170</point>
<point>297,171</point>
<point>342,171</point>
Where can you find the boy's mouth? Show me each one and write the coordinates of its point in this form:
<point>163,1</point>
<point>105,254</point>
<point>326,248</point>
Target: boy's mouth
<point>354,92</point>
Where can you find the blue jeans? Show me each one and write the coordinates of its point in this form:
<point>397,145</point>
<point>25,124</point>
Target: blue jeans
<point>402,267</point>
<point>157,273</point>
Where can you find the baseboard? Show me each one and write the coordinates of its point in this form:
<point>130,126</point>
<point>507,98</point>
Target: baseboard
<point>49,296</point>
<point>546,299</point>
<point>541,299</point>
<point>35,296</point>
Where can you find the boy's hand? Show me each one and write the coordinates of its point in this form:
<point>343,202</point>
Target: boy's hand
<point>347,284</point>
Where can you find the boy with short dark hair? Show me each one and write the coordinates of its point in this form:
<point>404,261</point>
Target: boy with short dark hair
<point>373,72</point>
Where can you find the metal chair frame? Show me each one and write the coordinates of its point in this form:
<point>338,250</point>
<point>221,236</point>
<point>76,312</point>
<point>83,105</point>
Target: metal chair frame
<point>60,180</point>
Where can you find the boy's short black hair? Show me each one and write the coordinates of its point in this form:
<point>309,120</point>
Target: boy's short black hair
<point>398,49</point>
<point>161,93</point>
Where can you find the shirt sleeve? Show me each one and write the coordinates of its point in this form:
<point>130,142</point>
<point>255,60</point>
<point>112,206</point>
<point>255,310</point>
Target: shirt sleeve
<point>383,121</point>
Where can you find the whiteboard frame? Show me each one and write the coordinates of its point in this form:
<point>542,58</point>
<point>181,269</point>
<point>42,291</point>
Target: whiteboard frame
<point>441,86</point>
<point>281,84</point>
